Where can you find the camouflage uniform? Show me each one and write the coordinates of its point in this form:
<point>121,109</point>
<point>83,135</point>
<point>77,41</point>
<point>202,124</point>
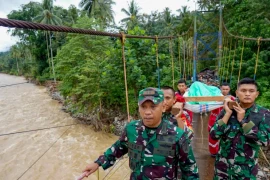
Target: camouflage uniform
<point>153,153</point>
<point>187,126</point>
<point>239,146</point>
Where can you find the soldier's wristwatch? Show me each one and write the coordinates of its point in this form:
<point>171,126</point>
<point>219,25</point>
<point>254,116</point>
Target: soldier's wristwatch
<point>243,121</point>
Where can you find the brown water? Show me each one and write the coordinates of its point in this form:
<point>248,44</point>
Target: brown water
<point>55,153</point>
<point>28,151</point>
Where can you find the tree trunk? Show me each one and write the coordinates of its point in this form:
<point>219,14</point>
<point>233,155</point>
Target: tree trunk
<point>18,66</point>
<point>52,58</point>
<point>48,53</point>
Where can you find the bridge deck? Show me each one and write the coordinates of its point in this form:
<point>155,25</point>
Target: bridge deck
<point>200,147</point>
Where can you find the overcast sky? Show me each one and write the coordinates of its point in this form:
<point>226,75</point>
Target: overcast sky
<point>6,6</point>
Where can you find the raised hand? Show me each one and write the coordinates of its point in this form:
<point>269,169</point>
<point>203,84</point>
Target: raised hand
<point>240,112</point>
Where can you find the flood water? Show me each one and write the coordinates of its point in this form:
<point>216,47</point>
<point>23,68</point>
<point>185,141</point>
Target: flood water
<point>28,151</point>
<point>39,141</point>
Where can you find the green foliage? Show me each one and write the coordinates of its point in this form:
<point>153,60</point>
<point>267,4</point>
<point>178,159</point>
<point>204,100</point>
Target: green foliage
<point>91,69</point>
<point>80,64</point>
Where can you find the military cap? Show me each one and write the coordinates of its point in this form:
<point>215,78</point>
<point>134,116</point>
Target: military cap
<point>153,94</point>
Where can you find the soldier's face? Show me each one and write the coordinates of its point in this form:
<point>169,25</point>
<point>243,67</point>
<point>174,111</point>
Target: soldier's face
<point>247,93</point>
<point>151,113</point>
<point>182,87</point>
<point>225,90</point>
<point>169,99</point>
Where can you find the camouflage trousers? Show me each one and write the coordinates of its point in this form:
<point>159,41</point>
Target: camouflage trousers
<point>225,171</point>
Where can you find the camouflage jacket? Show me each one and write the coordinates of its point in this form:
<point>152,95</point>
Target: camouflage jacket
<point>239,146</point>
<point>185,116</point>
<point>153,153</point>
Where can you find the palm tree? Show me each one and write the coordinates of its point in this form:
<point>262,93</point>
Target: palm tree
<point>99,9</point>
<point>16,53</point>
<point>48,17</point>
<point>207,4</point>
<point>133,14</point>
<point>89,6</point>
<point>183,12</point>
<point>169,22</point>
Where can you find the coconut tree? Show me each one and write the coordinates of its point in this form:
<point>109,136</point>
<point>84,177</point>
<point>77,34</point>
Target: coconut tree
<point>16,53</point>
<point>169,22</point>
<point>47,16</point>
<point>132,13</point>
<point>99,9</point>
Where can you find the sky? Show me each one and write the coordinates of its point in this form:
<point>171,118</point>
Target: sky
<point>147,6</point>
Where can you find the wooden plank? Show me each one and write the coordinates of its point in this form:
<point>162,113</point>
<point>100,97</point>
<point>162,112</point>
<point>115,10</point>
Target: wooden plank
<point>205,98</point>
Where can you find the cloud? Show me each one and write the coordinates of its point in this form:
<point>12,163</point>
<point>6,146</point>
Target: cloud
<point>6,6</point>
<point>6,40</point>
<point>147,6</point>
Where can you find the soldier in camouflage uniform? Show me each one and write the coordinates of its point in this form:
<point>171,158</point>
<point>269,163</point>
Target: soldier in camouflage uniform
<point>182,118</point>
<point>155,147</point>
<point>241,130</point>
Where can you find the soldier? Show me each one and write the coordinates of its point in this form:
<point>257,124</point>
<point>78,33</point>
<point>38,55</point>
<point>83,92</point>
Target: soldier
<point>182,88</point>
<point>214,144</point>
<point>241,131</point>
<point>181,118</point>
<point>155,147</point>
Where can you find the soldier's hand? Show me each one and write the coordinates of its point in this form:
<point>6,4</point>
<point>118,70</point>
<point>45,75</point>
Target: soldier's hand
<point>89,169</point>
<point>226,107</point>
<point>240,112</point>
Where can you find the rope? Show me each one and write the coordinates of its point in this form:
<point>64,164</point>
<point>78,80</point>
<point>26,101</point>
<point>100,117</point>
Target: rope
<point>201,126</point>
<point>115,169</point>
<point>12,84</point>
<point>36,130</point>
<point>179,57</point>
<point>188,58</point>
<point>241,37</point>
<point>229,60</point>
<point>112,168</point>
<point>156,40</point>
<point>223,62</point>
<point>191,59</point>
<point>125,71</point>
<point>171,50</point>
<point>184,55</point>
<point>233,62</point>
<point>37,26</point>
<point>257,58</point>
<point>241,60</point>
<point>43,154</point>
<point>126,175</point>
<point>265,158</point>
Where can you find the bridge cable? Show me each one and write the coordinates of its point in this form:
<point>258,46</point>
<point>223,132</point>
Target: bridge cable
<point>43,154</point>
<point>241,60</point>
<point>179,58</point>
<point>172,60</point>
<point>158,70</point>
<point>232,67</point>
<point>33,130</point>
<point>123,38</point>
<point>229,60</point>
<point>257,58</point>
<point>12,84</point>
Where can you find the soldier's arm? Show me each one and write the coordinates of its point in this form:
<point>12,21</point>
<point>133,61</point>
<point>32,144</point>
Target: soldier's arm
<point>219,127</point>
<point>259,134</point>
<point>117,150</point>
<point>186,159</point>
<point>189,132</point>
